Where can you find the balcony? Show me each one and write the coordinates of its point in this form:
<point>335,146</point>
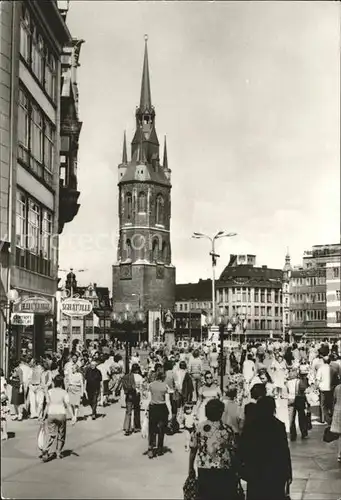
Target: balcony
<point>68,205</point>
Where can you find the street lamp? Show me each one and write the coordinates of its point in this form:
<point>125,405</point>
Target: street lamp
<point>128,320</point>
<point>220,234</point>
<point>12,298</point>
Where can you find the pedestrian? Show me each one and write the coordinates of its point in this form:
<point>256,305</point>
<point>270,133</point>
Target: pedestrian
<point>93,378</point>
<point>159,410</point>
<point>45,384</point>
<point>324,384</point>
<point>232,411</point>
<point>189,424</point>
<point>57,404</point>
<point>104,368</point>
<point>336,419</point>
<point>17,400</point>
<point>208,391</point>
<point>214,361</point>
<point>4,407</point>
<point>132,385</point>
<point>264,454</point>
<point>75,389</point>
<point>34,385</point>
<point>213,444</point>
<point>26,372</point>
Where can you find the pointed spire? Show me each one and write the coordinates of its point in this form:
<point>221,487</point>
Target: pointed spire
<point>146,98</point>
<point>124,153</point>
<point>165,157</point>
<point>287,265</point>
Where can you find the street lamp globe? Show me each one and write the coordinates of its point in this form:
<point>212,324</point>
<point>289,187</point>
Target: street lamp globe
<point>229,327</point>
<point>140,317</point>
<point>13,295</point>
<point>209,319</point>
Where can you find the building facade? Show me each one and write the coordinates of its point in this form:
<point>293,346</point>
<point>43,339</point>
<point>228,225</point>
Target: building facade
<point>144,275</point>
<point>33,37</point>
<point>313,293</point>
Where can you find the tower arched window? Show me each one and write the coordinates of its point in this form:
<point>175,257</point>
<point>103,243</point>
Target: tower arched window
<point>142,202</point>
<point>129,205</point>
<point>128,249</point>
<point>155,250</point>
<point>160,205</point>
<point>164,251</point>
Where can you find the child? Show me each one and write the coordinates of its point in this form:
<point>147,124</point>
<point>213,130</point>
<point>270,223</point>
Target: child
<point>189,426</point>
<point>4,407</point>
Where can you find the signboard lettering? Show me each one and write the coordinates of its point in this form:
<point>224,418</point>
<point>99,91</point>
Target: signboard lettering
<point>36,305</point>
<point>24,319</point>
<point>76,307</point>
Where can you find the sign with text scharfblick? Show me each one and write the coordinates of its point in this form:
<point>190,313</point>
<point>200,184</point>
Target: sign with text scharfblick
<point>76,307</point>
<point>35,305</point>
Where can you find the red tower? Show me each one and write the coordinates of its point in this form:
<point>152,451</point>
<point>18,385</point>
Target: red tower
<point>144,275</point>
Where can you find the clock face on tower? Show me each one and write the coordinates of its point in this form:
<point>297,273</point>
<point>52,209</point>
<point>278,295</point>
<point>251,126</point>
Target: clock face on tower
<point>125,272</point>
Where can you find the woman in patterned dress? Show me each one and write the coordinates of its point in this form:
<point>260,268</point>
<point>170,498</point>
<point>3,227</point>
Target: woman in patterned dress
<point>75,389</point>
<point>214,445</point>
<point>336,420</point>
<point>206,392</point>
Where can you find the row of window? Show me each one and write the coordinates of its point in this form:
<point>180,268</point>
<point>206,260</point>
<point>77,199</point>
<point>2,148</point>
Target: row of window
<point>308,297</point>
<point>185,324</point>
<point>194,305</point>
<point>36,137</point>
<point>34,224</point>
<point>310,281</point>
<point>142,206</point>
<point>258,311</point>
<point>313,315</point>
<point>159,251</point>
<point>260,295</point>
<point>37,54</point>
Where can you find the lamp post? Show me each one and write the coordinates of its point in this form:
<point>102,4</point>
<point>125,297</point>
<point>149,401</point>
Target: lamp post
<point>128,320</point>
<point>7,305</point>
<point>214,255</point>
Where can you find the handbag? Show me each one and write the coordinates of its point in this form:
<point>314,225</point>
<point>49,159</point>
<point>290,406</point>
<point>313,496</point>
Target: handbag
<point>329,436</point>
<point>190,488</point>
<point>42,436</point>
<point>145,427</point>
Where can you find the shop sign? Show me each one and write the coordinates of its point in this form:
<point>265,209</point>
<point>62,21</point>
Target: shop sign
<point>36,305</point>
<point>76,307</point>
<point>24,319</point>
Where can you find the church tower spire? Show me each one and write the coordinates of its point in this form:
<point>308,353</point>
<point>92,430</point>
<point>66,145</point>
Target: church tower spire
<point>165,157</point>
<point>145,117</point>
<point>146,97</point>
<point>124,152</point>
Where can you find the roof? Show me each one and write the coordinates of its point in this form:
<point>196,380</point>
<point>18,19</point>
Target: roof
<point>146,97</point>
<point>144,172</point>
<point>251,276</point>
<point>194,291</point>
<point>307,272</point>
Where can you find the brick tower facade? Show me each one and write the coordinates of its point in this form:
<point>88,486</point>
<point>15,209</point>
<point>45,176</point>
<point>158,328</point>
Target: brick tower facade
<point>144,275</point>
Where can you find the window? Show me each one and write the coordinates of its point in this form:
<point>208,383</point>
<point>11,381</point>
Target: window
<point>159,209</point>
<point>21,215</point>
<point>262,311</point>
<point>269,324</point>
<point>142,203</point>
<point>76,330</point>
<point>155,250</point>
<point>129,205</point>
<point>186,307</point>
<point>262,296</point>
<point>336,272</point>
<point>129,250</point>
<point>38,56</point>
<point>180,306</point>
<point>25,36</point>
<point>337,294</point>
<point>269,311</point>
<point>268,296</point>
<point>276,311</point>
<point>239,295</point>
<point>256,324</point>
<point>23,120</point>
<point>46,231</point>
<point>256,310</point>
<point>164,252</point>
<point>33,226</point>
<point>36,145</point>
<point>276,324</point>
<point>50,75</point>
<point>338,316</point>
<point>49,152</point>
<point>244,296</point>
<point>262,324</point>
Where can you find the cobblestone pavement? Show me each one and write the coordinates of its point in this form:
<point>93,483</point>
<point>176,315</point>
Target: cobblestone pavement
<point>102,463</point>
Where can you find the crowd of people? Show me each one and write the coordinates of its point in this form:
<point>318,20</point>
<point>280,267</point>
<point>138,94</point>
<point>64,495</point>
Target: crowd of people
<point>237,431</point>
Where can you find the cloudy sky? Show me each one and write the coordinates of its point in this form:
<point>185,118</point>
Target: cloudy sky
<point>248,94</point>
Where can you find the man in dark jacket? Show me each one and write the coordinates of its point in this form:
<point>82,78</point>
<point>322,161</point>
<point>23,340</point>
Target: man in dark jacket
<point>93,379</point>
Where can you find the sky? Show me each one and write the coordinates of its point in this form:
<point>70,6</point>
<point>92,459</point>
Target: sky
<point>248,95</point>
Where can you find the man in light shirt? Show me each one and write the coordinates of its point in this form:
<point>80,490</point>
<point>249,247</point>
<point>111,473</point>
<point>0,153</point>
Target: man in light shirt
<point>323,382</point>
<point>249,368</point>
<point>26,372</point>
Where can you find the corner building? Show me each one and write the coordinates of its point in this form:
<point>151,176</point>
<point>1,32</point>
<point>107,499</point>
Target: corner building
<point>144,275</point>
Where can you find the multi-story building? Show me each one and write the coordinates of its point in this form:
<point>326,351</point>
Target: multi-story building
<point>193,301</point>
<point>254,292</point>
<point>310,293</point>
<point>333,279</point>
<point>94,326</point>
<point>242,289</point>
<point>144,275</point>
<point>33,38</point>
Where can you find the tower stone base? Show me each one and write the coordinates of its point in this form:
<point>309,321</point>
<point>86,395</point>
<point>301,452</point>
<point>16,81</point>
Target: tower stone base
<point>149,286</point>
